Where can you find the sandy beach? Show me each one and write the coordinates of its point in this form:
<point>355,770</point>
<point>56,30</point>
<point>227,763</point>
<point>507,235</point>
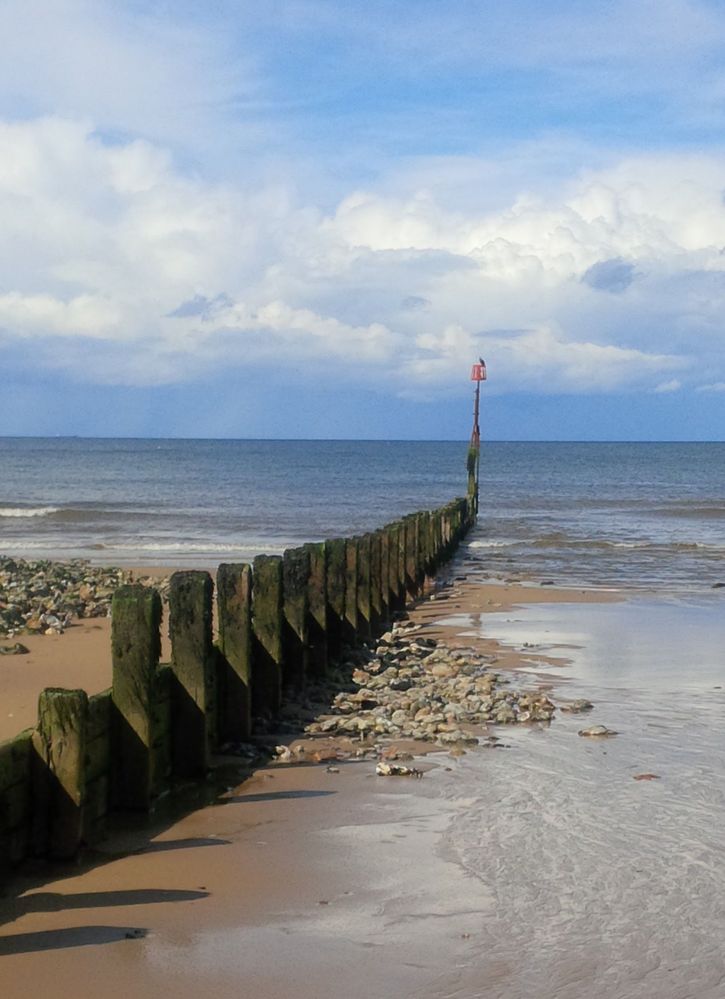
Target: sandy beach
<point>496,874</point>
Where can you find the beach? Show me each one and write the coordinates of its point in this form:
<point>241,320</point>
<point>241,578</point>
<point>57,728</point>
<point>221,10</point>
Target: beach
<point>539,862</point>
<point>540,868</point>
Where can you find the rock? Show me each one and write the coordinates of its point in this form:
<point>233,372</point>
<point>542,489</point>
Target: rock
<point>576,707</point>
<point>14,650</point>
<point>597,732</point>
<point>384,769</point>
<point>504,715</point>
<point>646,777</point>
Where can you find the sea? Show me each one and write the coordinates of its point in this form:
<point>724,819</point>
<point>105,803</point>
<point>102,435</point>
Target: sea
<point>608,514</point>
<point>572,878</point>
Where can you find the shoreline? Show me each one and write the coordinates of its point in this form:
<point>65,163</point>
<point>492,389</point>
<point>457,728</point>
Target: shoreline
<point>80,658</point>
<point>275,865</point>
<point>540,869</point>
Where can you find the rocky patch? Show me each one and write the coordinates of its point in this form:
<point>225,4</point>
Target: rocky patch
<point>44,597</point>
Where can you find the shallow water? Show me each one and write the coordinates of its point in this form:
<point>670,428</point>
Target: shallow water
<point>605,886</point>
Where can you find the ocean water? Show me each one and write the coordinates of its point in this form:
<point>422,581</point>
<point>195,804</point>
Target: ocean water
<point>603,885</point>
<point>201,502</point>
<point>588,513</point>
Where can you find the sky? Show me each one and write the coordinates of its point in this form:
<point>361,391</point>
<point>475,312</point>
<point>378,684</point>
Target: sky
<point>307,218</point>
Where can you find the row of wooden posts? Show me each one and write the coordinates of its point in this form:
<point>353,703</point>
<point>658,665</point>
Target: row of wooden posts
<point>280,623</point>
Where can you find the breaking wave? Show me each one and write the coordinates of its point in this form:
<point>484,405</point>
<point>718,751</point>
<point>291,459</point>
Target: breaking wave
<point>28,511</point>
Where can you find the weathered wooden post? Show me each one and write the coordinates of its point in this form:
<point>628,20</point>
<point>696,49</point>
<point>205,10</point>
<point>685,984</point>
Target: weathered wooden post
<point>317,621</point>
<point>376,580</point>
<point>295,605</point>
<point>350,625</point>
<point>192,662</point>
<point>420,563</point>
<point>425,547</point>
<point>411,557</point>
<point>364,604</point>
<point>436,538</point>
<point>97,801</point>
<point>267,655</point>
<point>394,581</point>
<point>336,571</point>
<point>16,759</point>
<point>385,572</point>
<point>60,745</point>
<point>402,556</point>
<point>135,650</point>
<point>234,613</point>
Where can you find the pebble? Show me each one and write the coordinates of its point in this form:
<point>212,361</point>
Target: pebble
<point>45,597</point>
<point>419,688</point>
<point>577,707</point>
<point>597,732</point>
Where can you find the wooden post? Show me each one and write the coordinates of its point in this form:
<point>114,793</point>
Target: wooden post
<point>267,656</point>
<point>317,621</point>
<point>295,603</point>
<point>402,554</point>
<point>420,519</point>
<point>411,557</point>
<point>351,612</point>
<point>364,605</point>
<point>60,742</point>
<point>234,612</point>
<point>192,657</point>
<point>16,785</point>
<point>335,588</point>
<point>376,581</point>
<point>135,650</point>
<point>385,596</point>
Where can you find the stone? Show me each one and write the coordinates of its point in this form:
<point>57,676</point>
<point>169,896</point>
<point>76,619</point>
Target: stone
<point>577,706</point>
<point>18,649</point>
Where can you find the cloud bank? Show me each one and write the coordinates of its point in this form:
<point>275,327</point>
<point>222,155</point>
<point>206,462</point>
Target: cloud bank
<point>151,275</point>
<point>162,217</point>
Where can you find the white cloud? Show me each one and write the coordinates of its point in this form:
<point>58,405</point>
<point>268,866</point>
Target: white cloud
<point>143,273</point>
<point>673,385</point>
<point>714,387</point>
<point>125,67</point>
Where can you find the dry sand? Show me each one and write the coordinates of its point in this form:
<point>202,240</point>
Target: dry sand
<point>297,882</point>
<point>78,659</point>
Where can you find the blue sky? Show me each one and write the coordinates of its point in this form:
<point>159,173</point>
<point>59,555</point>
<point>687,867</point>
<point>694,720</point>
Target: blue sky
<point>307,218</point>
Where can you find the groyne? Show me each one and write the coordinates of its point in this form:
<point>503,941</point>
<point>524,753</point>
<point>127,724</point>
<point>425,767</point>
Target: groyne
<point>281,622</point>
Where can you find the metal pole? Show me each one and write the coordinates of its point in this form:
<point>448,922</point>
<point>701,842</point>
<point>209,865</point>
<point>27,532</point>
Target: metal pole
<point>474,450</point>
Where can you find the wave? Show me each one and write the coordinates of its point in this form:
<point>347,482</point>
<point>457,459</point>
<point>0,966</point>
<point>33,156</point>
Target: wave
<point>183,547</point>
<point>28,511</point>
<point>714,511</point>
<point>493,544</point>
<point>601,544</point>
<point>562,541</point>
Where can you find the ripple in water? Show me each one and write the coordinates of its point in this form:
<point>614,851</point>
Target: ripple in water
<point>605,886</point>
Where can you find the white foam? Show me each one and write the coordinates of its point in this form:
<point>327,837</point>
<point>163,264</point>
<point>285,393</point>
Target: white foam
<point>491,544</point>
<point>192,546</point>
<point>28,511</point>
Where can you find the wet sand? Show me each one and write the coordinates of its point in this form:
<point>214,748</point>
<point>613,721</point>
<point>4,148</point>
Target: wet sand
<point>296,881</point>
<point>540,870</point>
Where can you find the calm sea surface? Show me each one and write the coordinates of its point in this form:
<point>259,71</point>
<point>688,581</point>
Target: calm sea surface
<point>584,512</point>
